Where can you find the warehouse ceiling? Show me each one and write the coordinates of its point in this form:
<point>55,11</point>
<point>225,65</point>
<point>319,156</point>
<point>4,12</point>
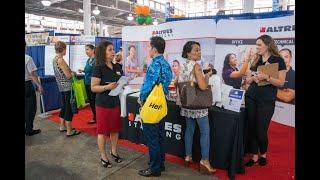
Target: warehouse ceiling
<point>112,12</point>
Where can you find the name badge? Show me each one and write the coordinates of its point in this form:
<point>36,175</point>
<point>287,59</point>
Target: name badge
<point>118,73</point>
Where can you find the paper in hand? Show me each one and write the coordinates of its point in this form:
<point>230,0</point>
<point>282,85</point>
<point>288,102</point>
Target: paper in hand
<point>121,83</point>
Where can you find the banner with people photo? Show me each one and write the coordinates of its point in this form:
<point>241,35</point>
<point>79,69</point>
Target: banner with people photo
<point>237,38</point>
<point>135,41</point>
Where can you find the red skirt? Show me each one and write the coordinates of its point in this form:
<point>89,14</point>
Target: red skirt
<point>108,120</point>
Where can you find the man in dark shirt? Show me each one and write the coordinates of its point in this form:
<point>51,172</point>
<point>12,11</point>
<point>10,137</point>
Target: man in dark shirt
<point>287,92</point>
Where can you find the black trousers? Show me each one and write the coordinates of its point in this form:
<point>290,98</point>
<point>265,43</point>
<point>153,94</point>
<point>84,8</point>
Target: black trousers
<point>65,112</point>
<point>30,106</point>
<point>259,114</point>
<point>92,100</point>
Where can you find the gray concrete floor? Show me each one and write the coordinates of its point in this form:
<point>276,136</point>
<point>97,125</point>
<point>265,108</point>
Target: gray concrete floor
<point>51,156</point>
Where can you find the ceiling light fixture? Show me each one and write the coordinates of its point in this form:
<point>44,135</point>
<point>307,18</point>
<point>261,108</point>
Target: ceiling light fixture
<point>130,17</point>
<point>43,21</point>
<point>155,22</point>
<point>96,11</point>
<point>80,10</point>
<point>46,3</point>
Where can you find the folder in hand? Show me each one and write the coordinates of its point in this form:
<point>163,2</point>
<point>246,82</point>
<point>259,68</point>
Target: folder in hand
<point>270,69</point>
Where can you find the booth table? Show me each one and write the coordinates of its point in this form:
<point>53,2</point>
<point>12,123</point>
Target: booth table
<point>226,134</point>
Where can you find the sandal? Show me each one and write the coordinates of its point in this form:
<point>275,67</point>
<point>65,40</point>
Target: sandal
<point>106,164</point>
<point>74,133</point>
<point>92,122</point>
<point>64,130</point>
<point>187,163</point>
<point>117,159</point>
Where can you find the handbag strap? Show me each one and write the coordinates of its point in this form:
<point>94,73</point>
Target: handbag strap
<point>72,82</point>
<point>192,75</point>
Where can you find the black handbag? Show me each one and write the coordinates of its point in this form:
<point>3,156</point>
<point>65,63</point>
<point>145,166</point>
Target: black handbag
<point>192,97</point>
<point>73,102</point>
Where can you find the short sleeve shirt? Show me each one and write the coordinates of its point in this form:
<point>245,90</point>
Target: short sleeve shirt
<point>107,75</point>
<point>267,92</point>
<point>290,79</point>
<point>29,67</point>
<point>234,82</point>
<point>88,70</point>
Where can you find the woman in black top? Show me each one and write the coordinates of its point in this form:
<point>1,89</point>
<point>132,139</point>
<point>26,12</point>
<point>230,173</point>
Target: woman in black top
<point>260,100</point>
<point>104,78</point>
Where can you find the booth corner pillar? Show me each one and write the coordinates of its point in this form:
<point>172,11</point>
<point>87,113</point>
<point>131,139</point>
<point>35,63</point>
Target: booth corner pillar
<point>86,16</point>
<point>275,5</point>
<point>205,5</point>
<point>248,6</point>
<point>101,25</point>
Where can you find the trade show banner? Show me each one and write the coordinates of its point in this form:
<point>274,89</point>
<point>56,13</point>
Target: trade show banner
<point>235,38</point>
<point>136,40</point>
<point>50,53</point>
<point>37,39</point>
<point>78,56</point>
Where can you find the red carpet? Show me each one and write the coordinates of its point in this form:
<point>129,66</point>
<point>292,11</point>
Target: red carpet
<point>281,151</point>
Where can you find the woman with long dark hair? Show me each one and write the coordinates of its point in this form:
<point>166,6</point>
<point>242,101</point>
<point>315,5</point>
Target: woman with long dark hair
<point>104,78</point>
<point>230,73</point>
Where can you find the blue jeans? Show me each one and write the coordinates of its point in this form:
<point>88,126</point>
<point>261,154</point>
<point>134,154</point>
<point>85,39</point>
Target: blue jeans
<point>203,124</point>
<point>154,136</point>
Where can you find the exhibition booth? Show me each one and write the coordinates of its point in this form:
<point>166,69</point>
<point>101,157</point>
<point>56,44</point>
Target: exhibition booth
<point>40,46</point>
<point>217,36</point>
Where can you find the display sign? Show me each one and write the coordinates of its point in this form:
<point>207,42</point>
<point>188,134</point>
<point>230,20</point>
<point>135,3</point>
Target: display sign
<point>35,39</point>
<point>234,100</point>
<point>82,40</point>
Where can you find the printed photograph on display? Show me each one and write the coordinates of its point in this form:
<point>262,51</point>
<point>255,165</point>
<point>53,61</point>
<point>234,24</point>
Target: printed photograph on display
<point>287,93</point>
<point>234,54</point>
<point>133,58</point>
<point>172,54</point>
<point>174,49</point>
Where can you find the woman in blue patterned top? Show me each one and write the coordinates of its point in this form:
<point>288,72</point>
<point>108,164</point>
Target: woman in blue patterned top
<point>160,70</point>
<point>87,79</point>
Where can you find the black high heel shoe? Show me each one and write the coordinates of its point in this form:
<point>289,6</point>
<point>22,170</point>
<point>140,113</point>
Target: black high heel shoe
<point>187,163</point>
<point>106,164</point>
<point>251,163</point>
<point>117,159</point>
<point>262,161</point>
